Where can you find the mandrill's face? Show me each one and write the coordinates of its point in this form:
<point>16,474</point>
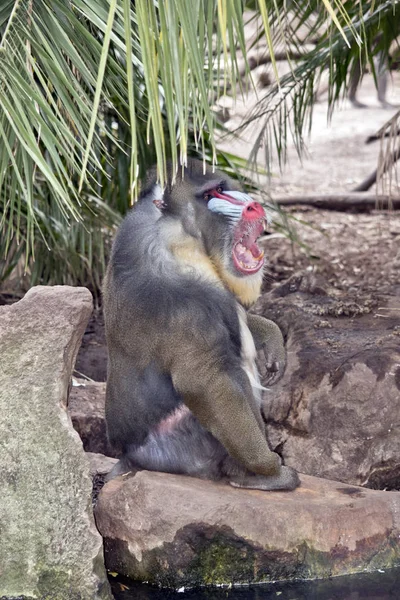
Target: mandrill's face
<point>228,224</point>
<point>247,221</point>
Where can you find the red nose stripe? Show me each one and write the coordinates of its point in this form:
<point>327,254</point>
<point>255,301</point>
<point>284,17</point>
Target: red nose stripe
<point>253,211</point>
<point>227,198</point>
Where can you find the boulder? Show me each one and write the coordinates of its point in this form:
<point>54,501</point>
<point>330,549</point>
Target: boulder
<point>336,411</point>
<point>86,406</point>
<point>99,464</point>
<point>50,547</point>
<point>179,531</point>
<point>92,356</point>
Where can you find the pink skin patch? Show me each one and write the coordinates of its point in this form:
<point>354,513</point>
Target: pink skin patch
<point>248,258</point>
<point>170,423</point>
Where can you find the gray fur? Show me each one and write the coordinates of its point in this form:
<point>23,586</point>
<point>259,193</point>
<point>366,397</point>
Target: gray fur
<point>179,398</point>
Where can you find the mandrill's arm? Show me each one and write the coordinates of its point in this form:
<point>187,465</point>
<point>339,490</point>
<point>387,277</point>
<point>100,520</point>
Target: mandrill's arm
<point>269,343</point>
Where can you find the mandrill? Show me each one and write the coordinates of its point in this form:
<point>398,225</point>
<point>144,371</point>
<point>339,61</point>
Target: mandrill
<point>183,391</point>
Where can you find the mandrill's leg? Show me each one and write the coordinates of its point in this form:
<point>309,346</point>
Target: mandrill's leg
<point>226,413</point>
<point>238,476</point>
<point>223,403</point>
<point>186,448</point>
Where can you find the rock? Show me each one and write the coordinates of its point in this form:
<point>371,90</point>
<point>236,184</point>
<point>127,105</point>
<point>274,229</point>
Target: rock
<point>180,531</point>
<point>86,406</point>
<point>92,356</point>
<point>336,411</point>
<point>50,547</point>
<point>100,465</point>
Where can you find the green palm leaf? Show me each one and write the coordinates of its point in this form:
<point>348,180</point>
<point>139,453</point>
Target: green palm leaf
<point>93,91</point>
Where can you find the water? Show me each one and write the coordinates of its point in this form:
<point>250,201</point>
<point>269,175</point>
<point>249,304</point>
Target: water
<point>368,586</point>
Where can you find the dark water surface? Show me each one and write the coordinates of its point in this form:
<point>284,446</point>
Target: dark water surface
<point>369,586</point>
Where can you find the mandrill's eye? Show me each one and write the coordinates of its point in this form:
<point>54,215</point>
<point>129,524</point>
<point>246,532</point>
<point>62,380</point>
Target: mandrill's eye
<point>208,195</point>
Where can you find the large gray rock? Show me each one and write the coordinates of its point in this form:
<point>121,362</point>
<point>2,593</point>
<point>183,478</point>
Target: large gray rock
<point>176,531</point>
<point>49,546</point>
<point>336,411</point>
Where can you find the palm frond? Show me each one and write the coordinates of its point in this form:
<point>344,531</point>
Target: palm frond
<point>286,109</point>
<point>93,91</point>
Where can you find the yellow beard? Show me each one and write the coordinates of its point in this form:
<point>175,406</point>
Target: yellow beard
<point>247,289</point>
<point>192,258</point>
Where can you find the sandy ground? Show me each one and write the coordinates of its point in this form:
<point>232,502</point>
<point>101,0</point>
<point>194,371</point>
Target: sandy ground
<point>337,157</point>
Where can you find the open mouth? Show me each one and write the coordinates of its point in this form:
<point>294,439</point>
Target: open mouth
<point>248,257</point>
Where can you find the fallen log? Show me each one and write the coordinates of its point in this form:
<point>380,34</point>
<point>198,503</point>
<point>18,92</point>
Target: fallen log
<point>378,136</point>
<point>369,181</point>
<point>352,201</point>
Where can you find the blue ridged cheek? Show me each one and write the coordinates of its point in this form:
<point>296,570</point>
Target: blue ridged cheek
<point>226,208</point>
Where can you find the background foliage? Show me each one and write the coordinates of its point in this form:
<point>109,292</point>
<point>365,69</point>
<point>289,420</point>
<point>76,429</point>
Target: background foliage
<point>92,92</point>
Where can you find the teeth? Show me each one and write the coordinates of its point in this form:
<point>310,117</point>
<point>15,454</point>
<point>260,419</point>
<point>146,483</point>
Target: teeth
<point>248,267</point>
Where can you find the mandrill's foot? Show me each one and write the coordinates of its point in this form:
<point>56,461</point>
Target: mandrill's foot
<point>122,467</point>
<point>287,479</point>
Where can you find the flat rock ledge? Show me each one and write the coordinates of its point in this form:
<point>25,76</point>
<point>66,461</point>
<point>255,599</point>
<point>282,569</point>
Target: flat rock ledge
<point>178,531</point>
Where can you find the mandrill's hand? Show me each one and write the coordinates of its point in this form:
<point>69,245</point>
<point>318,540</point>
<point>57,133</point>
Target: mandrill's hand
<point>271,354</point>
<point>270,369</point>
